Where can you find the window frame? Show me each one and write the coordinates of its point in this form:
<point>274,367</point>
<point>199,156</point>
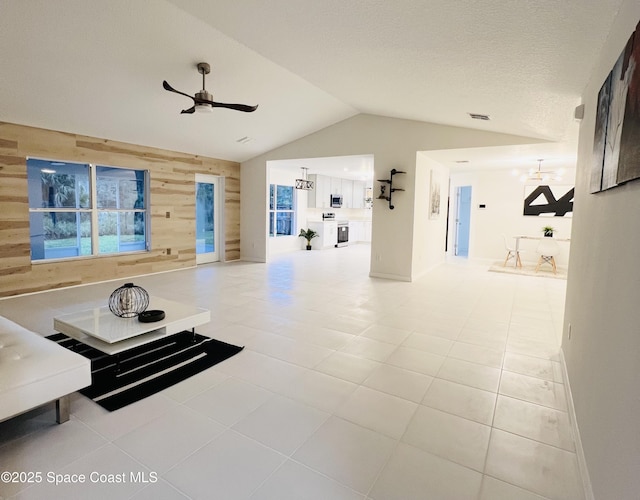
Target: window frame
<point>94,212</point>
<point>273,212</point>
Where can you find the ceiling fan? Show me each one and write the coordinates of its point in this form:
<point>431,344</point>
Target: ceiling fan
<point>203,101</point>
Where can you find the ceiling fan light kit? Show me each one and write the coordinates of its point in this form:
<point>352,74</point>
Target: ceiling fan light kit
<point>203,108</point>
<point>203,101</point>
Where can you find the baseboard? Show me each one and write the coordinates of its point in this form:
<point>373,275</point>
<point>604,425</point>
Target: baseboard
<point>252,259</point>
<point>122,279</point>
<point>396,277</point>
<point>582,462</point>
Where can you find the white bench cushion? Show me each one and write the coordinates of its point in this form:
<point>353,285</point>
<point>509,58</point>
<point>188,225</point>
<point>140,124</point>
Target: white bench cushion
<point>34,370</point>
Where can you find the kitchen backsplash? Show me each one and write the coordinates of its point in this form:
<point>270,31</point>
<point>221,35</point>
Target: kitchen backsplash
<point>341,213</point>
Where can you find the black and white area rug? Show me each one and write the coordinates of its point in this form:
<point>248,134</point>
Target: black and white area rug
<point>132,375</point>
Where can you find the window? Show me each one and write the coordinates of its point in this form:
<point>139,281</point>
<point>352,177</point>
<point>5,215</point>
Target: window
<point>121,209</point>
<point>281,210</point>
<point>68,218</point>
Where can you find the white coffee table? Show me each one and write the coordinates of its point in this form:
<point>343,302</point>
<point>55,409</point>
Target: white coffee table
<point>103,330</point>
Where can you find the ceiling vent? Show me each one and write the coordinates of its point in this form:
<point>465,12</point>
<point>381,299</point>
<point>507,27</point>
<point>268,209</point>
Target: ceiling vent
<point>244,140</point>
<point>478,116</point>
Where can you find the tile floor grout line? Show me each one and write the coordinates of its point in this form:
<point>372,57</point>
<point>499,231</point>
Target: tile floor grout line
<point>495,406</point>
<point>449,293</point>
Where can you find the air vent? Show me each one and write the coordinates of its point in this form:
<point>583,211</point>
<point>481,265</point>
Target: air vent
<point>244,140</point>
<point>462,161</point>
<point>478,116</point>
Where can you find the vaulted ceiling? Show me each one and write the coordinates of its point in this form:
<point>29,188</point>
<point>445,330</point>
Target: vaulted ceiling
<point>96,68</point>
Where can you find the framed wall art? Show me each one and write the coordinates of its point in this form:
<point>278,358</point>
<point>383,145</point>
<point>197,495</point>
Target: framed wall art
<point>434,195</point>
<point>616,144</point>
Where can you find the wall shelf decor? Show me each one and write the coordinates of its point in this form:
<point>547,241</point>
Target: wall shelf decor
<point>388,183</point>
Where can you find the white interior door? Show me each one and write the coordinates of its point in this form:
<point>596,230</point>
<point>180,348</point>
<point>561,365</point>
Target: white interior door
<point>463,220</point>
<point>207,218</point>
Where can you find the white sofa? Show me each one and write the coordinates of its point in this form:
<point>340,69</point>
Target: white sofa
<point>35,371</point>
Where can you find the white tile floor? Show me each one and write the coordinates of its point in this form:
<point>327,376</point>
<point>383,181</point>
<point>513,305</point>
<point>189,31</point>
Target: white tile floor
<point>349,388</point>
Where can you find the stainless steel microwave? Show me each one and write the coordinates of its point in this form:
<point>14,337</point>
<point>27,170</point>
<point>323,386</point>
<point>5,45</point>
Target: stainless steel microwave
<point>336,200</point>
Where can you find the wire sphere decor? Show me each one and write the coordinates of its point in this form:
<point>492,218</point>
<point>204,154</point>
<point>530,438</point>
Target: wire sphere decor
<point>128,301</point>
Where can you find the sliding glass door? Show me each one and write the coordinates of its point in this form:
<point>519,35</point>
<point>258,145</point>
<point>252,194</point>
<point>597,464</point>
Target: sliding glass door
<point>207,218</point>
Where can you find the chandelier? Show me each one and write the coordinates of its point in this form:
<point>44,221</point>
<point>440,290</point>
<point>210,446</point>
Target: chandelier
<point>304,183</point>
<point>539,175</point>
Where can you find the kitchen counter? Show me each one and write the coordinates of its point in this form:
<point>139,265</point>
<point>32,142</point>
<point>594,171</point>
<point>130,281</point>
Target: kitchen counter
<point>327,233</point>
<point>359,231</point>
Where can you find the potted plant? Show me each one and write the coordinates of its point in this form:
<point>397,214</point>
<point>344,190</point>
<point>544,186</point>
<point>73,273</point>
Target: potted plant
<point>548,231</point>
<point>308,234</point>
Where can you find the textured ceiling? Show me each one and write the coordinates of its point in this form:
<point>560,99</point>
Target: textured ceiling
<point>96,67</point>
<point>524,63</point>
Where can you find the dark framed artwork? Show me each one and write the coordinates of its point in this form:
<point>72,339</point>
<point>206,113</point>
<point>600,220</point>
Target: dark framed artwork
<point>629,161</point>
<point>600,135</point>
<point>548,201</point>
<point>616,144</point>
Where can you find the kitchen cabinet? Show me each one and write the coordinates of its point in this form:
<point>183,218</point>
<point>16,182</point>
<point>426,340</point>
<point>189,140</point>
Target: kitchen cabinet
<point>356,229</point>
<point>347,193</point>
<point>367,231</point>
<point>353,192</point>
<point>336,185</point>
<point>359,230</point>
<point>318,197</point>
<point>327,234</point>
<point>358,194</point>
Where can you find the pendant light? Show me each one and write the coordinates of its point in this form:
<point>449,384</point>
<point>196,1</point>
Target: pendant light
<point>540,175</point>
<point>304,183</point>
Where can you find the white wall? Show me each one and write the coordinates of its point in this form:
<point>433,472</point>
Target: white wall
<point>394,144</point>
<point>429,234</point>
<point>254,199</point>
<point>503,195</point>
<point>603,354</point>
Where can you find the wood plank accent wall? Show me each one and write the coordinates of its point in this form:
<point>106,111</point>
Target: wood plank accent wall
<point>172,189</point>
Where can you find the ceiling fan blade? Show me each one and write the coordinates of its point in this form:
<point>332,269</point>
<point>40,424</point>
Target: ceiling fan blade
<point>192,109</point>
<point>238,107</point>
<point>171,89</point>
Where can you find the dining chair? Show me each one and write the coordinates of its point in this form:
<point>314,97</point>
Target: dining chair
<point>512,253</point>
<point>548,249</point>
